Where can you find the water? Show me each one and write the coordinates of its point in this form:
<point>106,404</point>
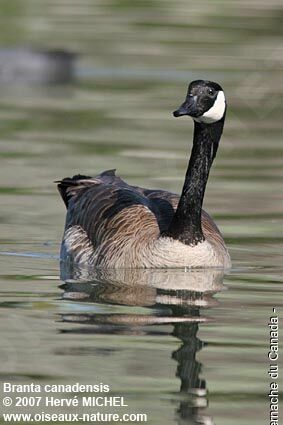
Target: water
<point>183,347</point>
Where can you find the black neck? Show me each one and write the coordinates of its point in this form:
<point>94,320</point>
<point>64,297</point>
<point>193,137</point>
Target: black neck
<point>186,223</point>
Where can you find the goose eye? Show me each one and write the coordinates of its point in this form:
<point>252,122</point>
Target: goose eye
<point>211,91</point>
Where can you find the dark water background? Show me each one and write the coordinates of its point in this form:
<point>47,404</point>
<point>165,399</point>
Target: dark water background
<point>183,347</point>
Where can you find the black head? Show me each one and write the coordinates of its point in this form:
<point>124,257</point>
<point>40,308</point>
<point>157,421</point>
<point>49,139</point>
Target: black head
<point>205,102</point>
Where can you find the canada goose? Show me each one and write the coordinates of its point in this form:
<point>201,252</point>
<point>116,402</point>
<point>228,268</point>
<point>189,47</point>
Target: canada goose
<point>111,224</point>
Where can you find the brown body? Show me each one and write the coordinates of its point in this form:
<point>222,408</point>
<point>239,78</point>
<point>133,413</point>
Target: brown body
<point>112,224</point>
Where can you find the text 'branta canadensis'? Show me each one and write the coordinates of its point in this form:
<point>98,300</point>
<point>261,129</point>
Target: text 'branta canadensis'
<point>112,224</point>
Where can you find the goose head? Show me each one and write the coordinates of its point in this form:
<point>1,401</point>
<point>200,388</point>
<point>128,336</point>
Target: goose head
<point>205,102</point>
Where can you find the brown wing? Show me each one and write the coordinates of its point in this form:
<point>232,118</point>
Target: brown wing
<point>108,209</point>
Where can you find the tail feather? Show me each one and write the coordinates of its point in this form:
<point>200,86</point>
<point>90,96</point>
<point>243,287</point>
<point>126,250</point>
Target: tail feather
<point>69,186</point>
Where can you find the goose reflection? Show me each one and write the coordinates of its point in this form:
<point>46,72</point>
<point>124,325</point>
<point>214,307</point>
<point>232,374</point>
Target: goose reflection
<point>173,297</point>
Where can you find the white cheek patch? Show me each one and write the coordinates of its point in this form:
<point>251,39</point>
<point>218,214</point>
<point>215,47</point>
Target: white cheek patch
<point>216,112</point>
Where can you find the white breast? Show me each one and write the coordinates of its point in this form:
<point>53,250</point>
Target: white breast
<point>167,252</point>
